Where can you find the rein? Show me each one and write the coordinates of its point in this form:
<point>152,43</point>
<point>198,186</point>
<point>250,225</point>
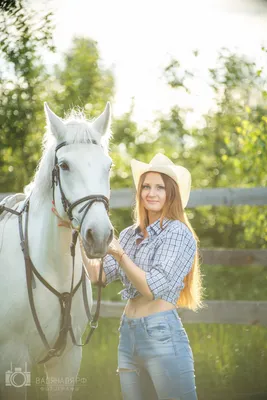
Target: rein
<point>65,298</point>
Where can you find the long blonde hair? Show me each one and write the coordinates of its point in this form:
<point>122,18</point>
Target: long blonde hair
<point>192,293</point>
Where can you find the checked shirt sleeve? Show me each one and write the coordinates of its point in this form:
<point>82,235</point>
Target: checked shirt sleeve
<point>111,268</point>
<point>172,262</point>
<point>110,265</point>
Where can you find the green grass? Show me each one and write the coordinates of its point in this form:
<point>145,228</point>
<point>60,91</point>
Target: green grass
<point>230,363</point>
<point>235,283</point>
<point>230,360</point>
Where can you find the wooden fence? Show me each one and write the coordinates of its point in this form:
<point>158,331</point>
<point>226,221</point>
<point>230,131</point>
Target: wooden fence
<point>216,311</point>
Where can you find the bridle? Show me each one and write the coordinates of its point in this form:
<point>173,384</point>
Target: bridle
<point>65,298</point>
<point>68,207</point>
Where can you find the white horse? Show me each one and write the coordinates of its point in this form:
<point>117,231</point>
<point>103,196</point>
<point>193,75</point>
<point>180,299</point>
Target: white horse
<point>83,169</point>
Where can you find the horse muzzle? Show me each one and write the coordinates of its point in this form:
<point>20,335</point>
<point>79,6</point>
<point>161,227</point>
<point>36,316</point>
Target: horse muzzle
<point>96,243</point>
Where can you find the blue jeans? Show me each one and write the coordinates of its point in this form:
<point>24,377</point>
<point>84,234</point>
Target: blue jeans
<point>155,360</point>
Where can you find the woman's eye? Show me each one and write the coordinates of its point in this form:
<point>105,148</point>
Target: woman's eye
<point>64,166</point>
<point>158,187</point>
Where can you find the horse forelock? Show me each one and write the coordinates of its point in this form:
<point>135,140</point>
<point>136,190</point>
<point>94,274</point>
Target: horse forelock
<point>81,132</point>
<point>78,130</point>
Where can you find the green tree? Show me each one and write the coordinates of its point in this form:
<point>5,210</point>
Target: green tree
<point>81,80</point>
<point>7,5</point>
<point>128,141</point>
<point>228,151</point>
<point>23,33</point>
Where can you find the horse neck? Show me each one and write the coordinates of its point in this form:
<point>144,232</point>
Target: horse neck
<point>49,246</point>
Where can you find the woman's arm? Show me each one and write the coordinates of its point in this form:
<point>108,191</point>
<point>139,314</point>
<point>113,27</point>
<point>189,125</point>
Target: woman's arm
<point>173,261</point>
<point>135,274</point>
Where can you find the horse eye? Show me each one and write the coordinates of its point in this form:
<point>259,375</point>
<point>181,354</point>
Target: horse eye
<point>64,166</point>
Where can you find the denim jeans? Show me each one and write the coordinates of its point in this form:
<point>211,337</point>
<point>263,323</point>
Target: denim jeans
<point>155,360</point>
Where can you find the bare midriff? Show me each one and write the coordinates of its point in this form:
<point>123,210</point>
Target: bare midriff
<point>141,307</point>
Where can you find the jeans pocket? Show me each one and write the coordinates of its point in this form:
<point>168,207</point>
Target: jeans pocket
<point>180,334</point>
<point>158,331</point>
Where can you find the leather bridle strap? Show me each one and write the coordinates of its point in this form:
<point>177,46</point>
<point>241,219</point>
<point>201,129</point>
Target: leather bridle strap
<point>68,207</point>
<point>65,298</point>
<point>93,321</point>
<point>10,210</point>
<point>89,202</point>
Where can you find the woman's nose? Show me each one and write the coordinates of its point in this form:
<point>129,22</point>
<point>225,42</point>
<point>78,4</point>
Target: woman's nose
<point>152,192</point>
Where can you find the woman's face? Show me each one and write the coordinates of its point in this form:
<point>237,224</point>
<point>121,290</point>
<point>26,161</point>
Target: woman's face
<point>153,192</point>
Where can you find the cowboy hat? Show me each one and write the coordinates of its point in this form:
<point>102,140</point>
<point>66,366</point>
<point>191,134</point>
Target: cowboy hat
<point>161,163</point>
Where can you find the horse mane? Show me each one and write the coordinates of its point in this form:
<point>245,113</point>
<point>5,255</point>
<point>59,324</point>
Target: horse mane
<point>78,130</point>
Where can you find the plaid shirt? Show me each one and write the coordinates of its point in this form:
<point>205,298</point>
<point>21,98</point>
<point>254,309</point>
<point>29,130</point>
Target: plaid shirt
<point>166,256</point>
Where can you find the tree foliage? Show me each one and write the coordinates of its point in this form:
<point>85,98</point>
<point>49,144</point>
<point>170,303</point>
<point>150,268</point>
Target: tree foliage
<point>26,84</point>
<point>7,5</point>
<point>228,150</point>
<point>23,32</point>
<point>81,80</point>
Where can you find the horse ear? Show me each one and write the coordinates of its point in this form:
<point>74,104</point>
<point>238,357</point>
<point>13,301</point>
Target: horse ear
<point>102,123</point>
<point>56,125</point>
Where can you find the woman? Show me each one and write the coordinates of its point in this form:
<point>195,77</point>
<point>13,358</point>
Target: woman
<point>157,261</point>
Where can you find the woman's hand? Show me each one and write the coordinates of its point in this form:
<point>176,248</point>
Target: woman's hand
<point>115,249</point>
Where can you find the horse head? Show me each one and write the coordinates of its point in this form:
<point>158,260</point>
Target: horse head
<point>81,188</point>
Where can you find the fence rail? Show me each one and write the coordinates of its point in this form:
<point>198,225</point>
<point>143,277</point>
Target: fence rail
<point>234,257</point>
<point>200,197</point>
<point>216,311</point>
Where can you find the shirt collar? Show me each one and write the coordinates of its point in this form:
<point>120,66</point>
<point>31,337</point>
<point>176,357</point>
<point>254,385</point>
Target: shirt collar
<point>154,228</point>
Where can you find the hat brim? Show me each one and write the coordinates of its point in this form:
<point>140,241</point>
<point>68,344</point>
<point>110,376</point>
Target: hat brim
<point>178,173</point>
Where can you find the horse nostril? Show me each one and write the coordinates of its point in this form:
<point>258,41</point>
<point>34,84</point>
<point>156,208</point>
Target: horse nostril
<point>110,236</point>
<point>89,236</point>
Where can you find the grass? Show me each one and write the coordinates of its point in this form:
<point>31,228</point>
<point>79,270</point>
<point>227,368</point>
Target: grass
<point>230,360</point>
<point>235,283</point>
<point>230,363</point>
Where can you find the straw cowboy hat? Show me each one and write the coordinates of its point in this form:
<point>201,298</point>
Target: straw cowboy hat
<point>161,163</point>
